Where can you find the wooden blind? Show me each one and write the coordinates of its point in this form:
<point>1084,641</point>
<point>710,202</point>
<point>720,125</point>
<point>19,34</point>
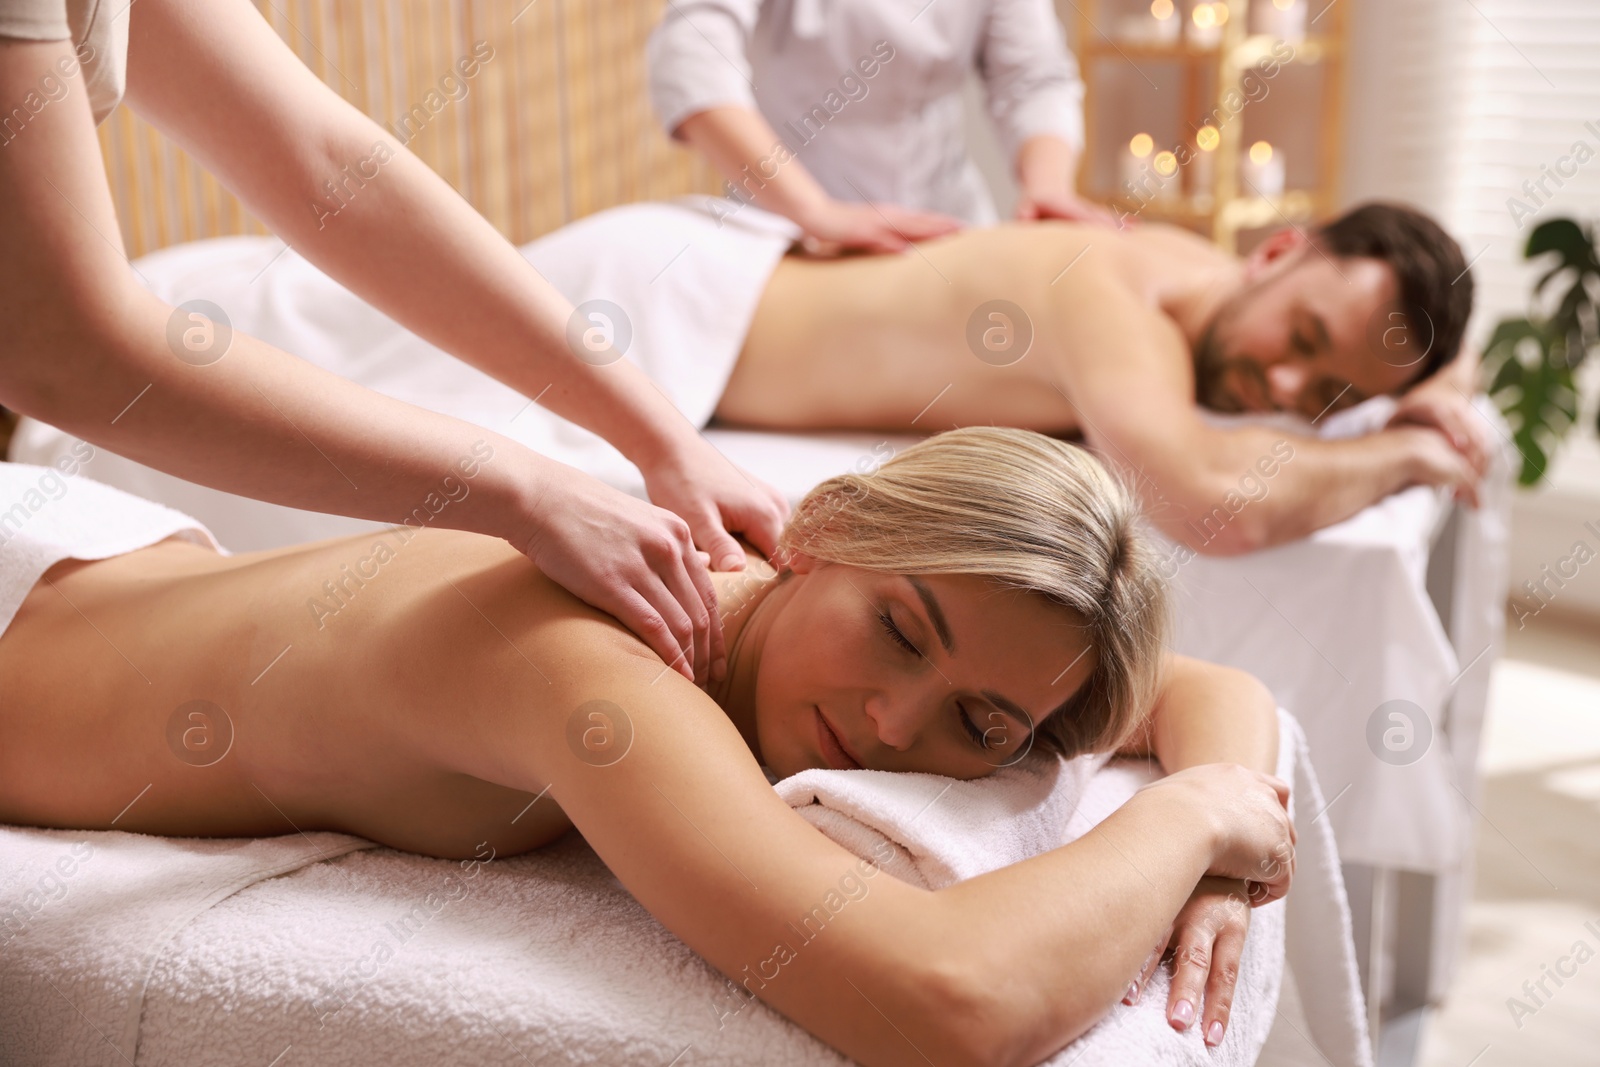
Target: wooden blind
<point>555,126</point>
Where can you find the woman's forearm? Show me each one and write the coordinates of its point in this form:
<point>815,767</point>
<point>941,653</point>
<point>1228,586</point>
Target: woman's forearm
<point>1045,164</point>
<point>346,195</point>
<point>1057,938</point>
<point>745,150</point>
<point>1208,713</point>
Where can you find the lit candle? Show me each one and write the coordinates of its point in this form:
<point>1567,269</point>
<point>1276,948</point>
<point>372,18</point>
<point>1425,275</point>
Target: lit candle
<point>1205,24</point>
<point>1162,26</point>
<point>1135,168</point>
<point>1166,22</point>
<point>1165,166</point>
<point>1284,20</point>
<point>1203,167</point>
<point>1261,171</point>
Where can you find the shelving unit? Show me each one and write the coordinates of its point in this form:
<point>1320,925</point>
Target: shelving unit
<point>1231,206</point>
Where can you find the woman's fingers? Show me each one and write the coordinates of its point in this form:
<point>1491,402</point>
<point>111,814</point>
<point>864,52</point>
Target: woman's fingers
<point>1226,952</point>
<point>1209,944</point>
<point>1136,989</point>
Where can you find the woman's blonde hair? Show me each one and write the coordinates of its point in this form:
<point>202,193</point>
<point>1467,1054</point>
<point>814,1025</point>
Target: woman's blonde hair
<point>1032,513</point>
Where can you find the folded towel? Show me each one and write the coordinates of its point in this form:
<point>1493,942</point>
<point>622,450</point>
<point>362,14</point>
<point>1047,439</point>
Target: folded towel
<point>1017,812</point>
<point>1024,810</point>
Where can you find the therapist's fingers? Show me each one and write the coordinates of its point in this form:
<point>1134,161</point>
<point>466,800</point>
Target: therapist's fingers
<point>918,225</point>
<point>689,584</point>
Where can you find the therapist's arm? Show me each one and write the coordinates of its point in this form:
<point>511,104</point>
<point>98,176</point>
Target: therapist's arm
<point>1035,99</point>
<point>760,169</point>
<point>701,89</point>
<point>1046,169</point>
<point>88,349</point>
<point>349,197</point>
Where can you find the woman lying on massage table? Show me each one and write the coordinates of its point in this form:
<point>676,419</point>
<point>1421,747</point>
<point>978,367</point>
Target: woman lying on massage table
<point>984,593</point>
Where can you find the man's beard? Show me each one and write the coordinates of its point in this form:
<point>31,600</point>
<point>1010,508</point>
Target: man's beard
<point>1212,366</point>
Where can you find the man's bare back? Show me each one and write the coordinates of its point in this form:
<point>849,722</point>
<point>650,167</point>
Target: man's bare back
<point>894,342</point>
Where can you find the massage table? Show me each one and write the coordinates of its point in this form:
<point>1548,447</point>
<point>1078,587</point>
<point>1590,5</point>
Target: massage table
<point>1395,611</point>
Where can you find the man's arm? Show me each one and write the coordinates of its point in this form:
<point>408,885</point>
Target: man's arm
<point>1444,401</point>
<point>1221,491</point>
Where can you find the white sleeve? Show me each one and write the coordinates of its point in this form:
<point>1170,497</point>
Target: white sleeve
<point>1030,77</point>
<point>697,58</point>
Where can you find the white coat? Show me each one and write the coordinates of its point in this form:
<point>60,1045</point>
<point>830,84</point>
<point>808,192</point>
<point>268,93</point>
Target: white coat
<point>867,94</point>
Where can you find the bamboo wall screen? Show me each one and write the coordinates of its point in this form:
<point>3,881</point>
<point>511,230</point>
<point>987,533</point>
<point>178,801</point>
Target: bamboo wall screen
<point>555,126</point>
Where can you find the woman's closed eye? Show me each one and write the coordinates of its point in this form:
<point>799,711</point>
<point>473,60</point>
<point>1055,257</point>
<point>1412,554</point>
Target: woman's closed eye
<point>978,737</point>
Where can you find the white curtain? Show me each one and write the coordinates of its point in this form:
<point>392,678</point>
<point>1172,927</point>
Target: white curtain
<point>1453,104</point>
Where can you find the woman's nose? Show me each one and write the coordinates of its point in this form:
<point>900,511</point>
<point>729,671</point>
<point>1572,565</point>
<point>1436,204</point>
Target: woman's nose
<point>895,719</point>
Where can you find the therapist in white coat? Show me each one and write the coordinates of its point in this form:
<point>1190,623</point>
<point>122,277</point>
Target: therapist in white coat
<point>847,115</point>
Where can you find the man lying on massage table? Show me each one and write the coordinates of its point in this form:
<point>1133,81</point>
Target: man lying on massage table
<point>1118,336</point>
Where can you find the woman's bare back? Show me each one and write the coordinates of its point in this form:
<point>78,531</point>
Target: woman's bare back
<point>175,691</point>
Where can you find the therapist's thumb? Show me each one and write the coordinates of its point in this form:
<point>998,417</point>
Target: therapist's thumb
<point>725,553</point>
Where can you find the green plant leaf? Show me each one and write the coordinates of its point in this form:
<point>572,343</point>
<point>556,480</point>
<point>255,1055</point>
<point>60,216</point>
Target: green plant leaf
<point>1538,399</point>
<point>1572,246</point>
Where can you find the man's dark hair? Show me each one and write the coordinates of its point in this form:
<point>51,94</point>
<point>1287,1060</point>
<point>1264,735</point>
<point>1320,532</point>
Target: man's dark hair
<point>1432,273</point>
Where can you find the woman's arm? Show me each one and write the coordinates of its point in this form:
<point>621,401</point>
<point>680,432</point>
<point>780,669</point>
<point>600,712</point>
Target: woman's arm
<point>350,198</point>
<point>701,88</point>
<point>88,349</point>
<point>760,168</point>
<point>1035,99</point>
<point>1004,968</point>
<point>1207,713</point>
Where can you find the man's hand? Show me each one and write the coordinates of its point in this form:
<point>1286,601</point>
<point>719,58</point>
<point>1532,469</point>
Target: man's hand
<point>1033,205</point>
<point>1439,404</point>
<point>1430,459</point>
<point>1207,945</point>
<point>836,226</point>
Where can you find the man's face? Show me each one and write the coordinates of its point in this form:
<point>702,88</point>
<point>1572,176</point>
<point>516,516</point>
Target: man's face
<point>1308,334</point>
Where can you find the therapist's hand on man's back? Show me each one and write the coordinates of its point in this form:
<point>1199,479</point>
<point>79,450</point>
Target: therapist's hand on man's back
<point>835,226</point>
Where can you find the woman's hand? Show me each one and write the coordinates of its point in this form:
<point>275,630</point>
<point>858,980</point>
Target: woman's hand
<point>1207,945</point>
<point>1064,204</point>
<point>1252,834</point>
<point>630,558</point>
<point>714,496</point>
<point>835,226</point>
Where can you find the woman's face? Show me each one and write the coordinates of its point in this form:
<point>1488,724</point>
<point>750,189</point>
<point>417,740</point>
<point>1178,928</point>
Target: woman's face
<point>974,669</point>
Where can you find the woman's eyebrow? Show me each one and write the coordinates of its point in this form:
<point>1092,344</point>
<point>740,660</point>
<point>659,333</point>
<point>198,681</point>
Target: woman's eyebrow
<point>935,612</point>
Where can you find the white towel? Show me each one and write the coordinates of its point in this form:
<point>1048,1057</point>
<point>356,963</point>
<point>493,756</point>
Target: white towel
<point>975,826</point>
<point>48,514</point>
<point>1020,812</point>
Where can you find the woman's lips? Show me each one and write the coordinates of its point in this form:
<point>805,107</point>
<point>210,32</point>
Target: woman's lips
<point>833,753</point>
